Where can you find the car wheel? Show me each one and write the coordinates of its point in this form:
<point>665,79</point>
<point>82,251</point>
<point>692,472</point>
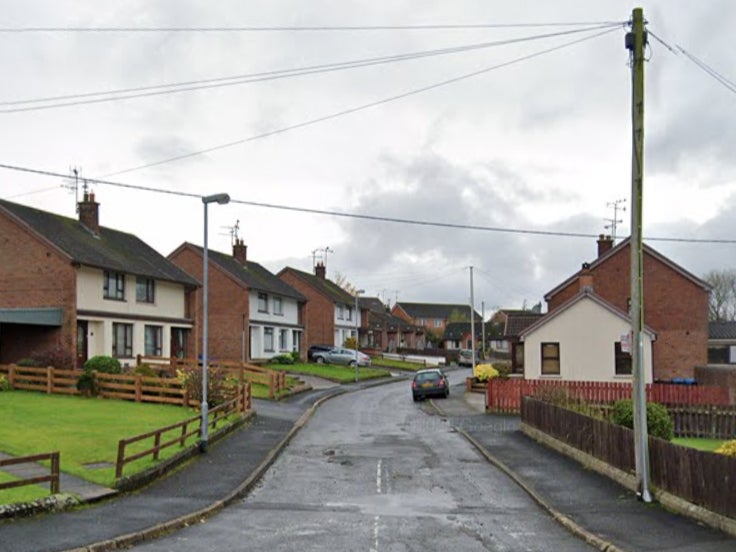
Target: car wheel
<point>320,360</point>
<point>416,399</point>
<point>351,364</point>
<point>447,393</point>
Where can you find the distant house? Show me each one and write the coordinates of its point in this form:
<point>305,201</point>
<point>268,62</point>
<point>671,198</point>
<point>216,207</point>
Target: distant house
<point>584,339</point>
<point>383,331</point>
<point>458,335</point>
<point>80,289</point>
<point>506,326</point>
<point>433,316</point>
<point>675,303</point>
<point>722,342</point>
<point>330,313</point>
<point>253,315</point>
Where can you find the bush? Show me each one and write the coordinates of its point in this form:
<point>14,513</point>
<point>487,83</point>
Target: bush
<point>87,384</point>
<point>659,423</point>
<point>104,364</point>
<point>145,370</point>
<point>728,448</point>
<point>4,383</point>
<point>217,385</point>
<point>27,362</point>
<point>350,343</point>
<point>282,359</point>
<point>484,372</point>
<point>295,356</point>
<point>503,369</point>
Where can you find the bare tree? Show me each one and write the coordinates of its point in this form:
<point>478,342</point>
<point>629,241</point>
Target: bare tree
<point>342,281</point>
<point>722,304</point>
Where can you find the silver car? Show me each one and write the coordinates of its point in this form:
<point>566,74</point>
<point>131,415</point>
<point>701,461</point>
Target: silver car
<point>340,355</point>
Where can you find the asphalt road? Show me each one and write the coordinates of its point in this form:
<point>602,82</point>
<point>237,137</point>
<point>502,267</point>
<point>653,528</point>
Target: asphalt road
<point>374,471</point>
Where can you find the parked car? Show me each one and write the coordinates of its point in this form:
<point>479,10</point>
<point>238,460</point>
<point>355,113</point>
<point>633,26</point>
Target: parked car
<point>317,349</point>
<point>431,382</point>
<point>465,357</point>
<point>340,355</point>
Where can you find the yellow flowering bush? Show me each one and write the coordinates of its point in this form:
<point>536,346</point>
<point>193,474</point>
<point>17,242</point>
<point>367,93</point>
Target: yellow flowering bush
<point>484,372</point>
<point>728,448</point>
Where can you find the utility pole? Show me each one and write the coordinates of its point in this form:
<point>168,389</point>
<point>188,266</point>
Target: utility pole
<point>635,42</point>
<point>483,326</point>
<point>472,316</point>
<point>617,206</point>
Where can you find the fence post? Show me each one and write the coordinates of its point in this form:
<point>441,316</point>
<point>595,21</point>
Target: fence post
<point>55,472</point>
<point>138,389</point>
<point>138,359</point>
<point>271,385</point>
<point>11,376</point>
<point>121,458</point>
<point>49,380</point>
<point>157,444</point>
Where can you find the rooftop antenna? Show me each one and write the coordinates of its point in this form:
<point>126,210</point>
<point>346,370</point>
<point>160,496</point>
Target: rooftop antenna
<point>233,232</point>
<point>324,251</point>
<point>617,205</point>
<point>73,186</point>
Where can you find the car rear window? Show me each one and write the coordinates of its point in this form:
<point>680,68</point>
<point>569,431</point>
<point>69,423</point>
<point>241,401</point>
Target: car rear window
<point>427,376</point>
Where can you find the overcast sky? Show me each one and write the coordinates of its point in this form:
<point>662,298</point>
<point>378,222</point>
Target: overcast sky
<point>536,141</point>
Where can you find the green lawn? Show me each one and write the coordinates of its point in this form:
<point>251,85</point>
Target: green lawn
<point>399,364</point>
<point>700,444</point>
<point>84,430</point>
<point>261,391</point>
<point>338,374</point>
<point>27,493</point>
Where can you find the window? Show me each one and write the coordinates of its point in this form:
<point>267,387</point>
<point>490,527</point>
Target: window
<point>278,307</point>
<point>144,290</point>
<point>517,363</point>
<point>350,313</point>
<point>283,339</point>
<point>113,286</point>
<point>295,341</point>
<point>263,302</point>
<point>340,312</point>
<point>623,360</point>
<point>122,340</point>
<point>268,339</point>
<point>550,358</point>
<point>153,338</point>
<point>437,322</point>
<point>422,322</point>
<point>179,342</point>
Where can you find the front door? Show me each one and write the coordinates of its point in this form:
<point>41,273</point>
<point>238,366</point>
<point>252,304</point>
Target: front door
<point>81,343</point>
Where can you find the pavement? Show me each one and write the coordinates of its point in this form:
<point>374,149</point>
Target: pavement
<point>600,511</point>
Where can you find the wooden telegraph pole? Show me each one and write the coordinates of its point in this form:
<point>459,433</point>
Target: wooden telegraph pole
<point>635,42</point>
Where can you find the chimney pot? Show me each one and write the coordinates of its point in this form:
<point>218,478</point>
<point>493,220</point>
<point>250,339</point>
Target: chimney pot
<point>605,244</point>
<point>89,213</point>
<point>240,251</point>
<point>320,271</point>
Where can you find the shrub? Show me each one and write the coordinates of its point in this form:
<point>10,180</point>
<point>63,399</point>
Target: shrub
<point>503,369</point>
<point>295,357</point>
<point>282,359</point>
<point>4,383</point>
<point>87,384</point>
<point>350,343</point>
<point>728,448</point>
<point>217,384</point>
<point>105,364</point>
<point>659,423</point>
<point>145,370</point>
<point>484,372</point>
<point>27,362</point>
<point>55,357</point>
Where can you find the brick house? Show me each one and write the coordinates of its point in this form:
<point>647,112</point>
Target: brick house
<point>252,314</point>
<point>675,303</point>
<point>433,316</point>
<point>79,289</point>
<point>506,327</point>
<point>385,332</point>
<point>330,312</point>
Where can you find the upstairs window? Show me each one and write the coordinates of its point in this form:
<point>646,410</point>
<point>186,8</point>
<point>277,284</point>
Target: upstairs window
<point>340,311</point>
<point>113,286</point>
<point>145,289</point>
<point>262,302</point>
<point>350,313</point>
<point>278,306</point>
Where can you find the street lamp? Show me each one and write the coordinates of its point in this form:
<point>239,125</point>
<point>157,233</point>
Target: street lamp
<point>357,338</point>
<point>221,199</point>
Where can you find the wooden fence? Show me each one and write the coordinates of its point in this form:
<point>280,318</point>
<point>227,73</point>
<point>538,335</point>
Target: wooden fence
<point>133,387</point>
<point>504,395</point>
<point>274,380</point>
<point>52,478</point>
<point>181,431</point>
<point>700,477</point>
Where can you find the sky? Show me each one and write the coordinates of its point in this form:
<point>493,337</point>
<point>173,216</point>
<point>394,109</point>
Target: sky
<point>519,127</point>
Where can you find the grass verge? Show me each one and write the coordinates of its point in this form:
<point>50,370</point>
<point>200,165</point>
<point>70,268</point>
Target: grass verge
<point>85,430</point>
<point>700,444</point>
<point>338,374</point>
<point>27,493</point>
<point>398,364</point>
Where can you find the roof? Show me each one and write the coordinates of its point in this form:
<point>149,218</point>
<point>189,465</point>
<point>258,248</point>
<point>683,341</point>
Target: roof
<point>722,330</point>
<point>380,320</point>
<point>434,310</point>
<point>373,304</point>
<point>583,295</point>
<point>518,321</point>
<point>324,286</point>
<point>615,250</point>
<point>456,330</point>
<point>109,250</point>
<point>252,274</point>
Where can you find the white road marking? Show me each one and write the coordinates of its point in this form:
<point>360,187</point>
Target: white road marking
<point>377,519</point>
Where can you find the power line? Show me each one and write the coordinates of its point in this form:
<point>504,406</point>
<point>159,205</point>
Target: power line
<point>69,100</point>
<point>358,216</point>
<point>320,28</point>
<point>360,107</point>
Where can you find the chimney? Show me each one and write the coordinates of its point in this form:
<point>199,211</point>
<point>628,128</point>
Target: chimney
<point>240,251</point>
<point>605,244</point>
<point>585,280</point>
<point>89,213</point>
<point>320,271</point>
